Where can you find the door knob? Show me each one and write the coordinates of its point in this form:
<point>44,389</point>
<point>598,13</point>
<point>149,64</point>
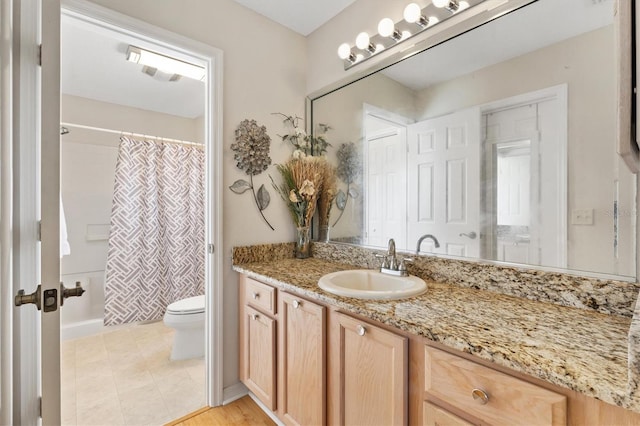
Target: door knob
<point>50,299</point>
<point>26,299</point>
<point>77,291</point>
<point>472,235</point>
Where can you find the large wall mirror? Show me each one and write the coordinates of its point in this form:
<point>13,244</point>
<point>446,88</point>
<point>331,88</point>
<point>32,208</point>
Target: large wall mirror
<point>498,144</point>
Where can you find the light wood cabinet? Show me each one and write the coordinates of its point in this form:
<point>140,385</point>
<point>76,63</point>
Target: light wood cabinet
<point>315,365</point>
<point>257,335</point>
<point>491,396</point>
<point>259,367</point>
<point>370,373</point>
<point>301,361</point>
<point>432,415</point>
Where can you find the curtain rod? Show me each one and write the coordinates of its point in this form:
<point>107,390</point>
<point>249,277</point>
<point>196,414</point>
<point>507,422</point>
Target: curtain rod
<point>123,133</point>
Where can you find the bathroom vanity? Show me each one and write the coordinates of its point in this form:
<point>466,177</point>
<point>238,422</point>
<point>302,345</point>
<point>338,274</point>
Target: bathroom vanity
<point>453,355</point>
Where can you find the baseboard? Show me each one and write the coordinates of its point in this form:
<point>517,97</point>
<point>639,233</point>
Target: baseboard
<point>264,408</point>
<point>233,392</point>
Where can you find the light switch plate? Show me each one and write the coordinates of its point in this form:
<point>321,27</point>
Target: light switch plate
<point>582,217</point>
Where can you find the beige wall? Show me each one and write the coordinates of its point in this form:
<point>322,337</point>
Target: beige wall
<point>264,72</point>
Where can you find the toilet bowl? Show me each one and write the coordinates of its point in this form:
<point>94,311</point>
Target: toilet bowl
<point>186,316</point>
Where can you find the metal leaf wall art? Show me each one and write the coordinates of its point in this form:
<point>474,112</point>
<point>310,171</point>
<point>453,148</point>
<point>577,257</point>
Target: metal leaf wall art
<point>251,152</point>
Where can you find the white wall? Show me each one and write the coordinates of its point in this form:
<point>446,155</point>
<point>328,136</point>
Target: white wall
<point>264,72</point>
<point>87,174</point>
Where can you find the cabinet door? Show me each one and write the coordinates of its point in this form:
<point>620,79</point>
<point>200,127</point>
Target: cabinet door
<point>302,362</point>
<point>433,415</point>
<point>259,366</point>
<point>372,364</point>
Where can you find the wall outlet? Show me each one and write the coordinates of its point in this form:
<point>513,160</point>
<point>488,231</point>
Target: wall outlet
<point>582,217</point>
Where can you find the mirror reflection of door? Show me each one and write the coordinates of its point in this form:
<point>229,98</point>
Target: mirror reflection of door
<point>523,148</point>
<point>444,183</point>
<point>513,192</point>
<point>385,181</point>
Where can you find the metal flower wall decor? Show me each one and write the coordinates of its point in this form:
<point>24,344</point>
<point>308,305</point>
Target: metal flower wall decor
<point>348,170</point>
<point>251,150</point>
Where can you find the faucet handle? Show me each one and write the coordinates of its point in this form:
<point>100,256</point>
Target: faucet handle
<point>402,266</point>
<point>385,260</point>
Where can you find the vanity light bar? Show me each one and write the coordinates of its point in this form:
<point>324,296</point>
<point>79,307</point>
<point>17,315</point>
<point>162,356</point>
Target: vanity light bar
<point>416,20</point>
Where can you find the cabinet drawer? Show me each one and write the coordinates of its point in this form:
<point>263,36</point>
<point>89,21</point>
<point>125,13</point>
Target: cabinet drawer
<point>436,416</point>
<point>260,296</point>
<point>464,384</point>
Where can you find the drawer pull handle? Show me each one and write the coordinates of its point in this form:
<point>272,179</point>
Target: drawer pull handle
<point>256,295</point>
<point>480,396</point>
<point>255,317</point>
<point>296,304</point>
<point>361,330</point>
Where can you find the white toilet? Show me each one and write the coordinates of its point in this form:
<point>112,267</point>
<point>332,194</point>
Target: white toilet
<point>187,317</point>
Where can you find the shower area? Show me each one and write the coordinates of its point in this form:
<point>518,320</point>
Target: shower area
<point>134,210</point>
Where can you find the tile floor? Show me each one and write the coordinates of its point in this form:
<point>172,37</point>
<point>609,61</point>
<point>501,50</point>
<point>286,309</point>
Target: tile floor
<point>124,377</point>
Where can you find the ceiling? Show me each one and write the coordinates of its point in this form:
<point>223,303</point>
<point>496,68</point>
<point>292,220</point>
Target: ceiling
<point>302,16</point>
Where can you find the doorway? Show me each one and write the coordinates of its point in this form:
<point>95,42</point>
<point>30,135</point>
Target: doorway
<point>94,123</point>
<point>524,150</point>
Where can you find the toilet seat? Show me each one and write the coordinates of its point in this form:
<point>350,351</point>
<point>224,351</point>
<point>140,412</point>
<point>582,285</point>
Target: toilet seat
<point>188,306</point>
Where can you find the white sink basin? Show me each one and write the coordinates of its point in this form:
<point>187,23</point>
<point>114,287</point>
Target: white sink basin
<point>371,284</point>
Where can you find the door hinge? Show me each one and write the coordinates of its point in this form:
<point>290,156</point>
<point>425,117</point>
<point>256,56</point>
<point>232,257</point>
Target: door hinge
<point>40,54</point>
<point>210,248</point>
<point>40,406</point>
<point>39,231</point>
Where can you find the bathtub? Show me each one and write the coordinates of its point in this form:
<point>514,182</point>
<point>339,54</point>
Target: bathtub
<point>83,316</point>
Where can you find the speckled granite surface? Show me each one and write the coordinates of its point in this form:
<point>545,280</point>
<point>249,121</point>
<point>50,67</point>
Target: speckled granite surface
<point>606,296</point>
<point>262,253</point>
<point>579,349</point>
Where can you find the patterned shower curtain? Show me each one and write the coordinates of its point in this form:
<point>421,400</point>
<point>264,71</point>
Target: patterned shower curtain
<point>156,243</point>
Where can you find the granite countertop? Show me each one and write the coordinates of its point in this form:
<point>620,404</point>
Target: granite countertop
<point>582,350</point>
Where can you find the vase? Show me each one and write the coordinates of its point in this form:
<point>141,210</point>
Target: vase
<point>303,243</point>
<point>323,233</point>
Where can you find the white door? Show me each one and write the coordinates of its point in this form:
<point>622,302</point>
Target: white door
<point>385,183</point>
<point>37,104</point>
<point>444,183</point>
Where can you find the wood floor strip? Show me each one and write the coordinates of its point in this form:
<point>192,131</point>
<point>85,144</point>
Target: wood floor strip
<point>242,412</point>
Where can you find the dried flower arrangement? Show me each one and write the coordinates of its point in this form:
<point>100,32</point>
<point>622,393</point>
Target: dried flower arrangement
<point>251,150</point>
<point>348,169</point>
<point>326,199</point>
<point>301,185</point>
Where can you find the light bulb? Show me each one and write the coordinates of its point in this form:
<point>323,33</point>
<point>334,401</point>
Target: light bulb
<point>463,5</point>
<point>433,20</point>
<point>344,51</point>
<point>386,27</point>
<point>362,41</point>
<point>412,13</point>
<point>440,3</point>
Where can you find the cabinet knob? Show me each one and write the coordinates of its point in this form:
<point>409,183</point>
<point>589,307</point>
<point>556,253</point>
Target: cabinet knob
<point>296,304</point>
<point>254,316</point>
<point>361,330</point>
<point>480,396</point>
<point>256,295</point>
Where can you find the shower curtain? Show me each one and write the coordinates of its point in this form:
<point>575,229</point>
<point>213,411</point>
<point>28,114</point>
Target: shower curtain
<point>156,243</point>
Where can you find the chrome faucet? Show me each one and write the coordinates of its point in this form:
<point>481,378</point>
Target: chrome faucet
<point>390,264</point>
<point>424,237</point>
<point>391,252</point>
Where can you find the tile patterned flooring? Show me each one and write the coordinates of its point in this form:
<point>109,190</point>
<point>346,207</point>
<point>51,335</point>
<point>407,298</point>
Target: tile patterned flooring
<point>124,377</point>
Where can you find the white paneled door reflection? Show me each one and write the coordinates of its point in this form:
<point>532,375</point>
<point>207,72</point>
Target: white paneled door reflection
<point>444,182</point>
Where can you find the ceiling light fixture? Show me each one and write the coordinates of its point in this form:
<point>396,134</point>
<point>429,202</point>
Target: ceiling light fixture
<point>416,20</point>
<point>413,15</point>
<point>164,63</point>
<point>450,5</point>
